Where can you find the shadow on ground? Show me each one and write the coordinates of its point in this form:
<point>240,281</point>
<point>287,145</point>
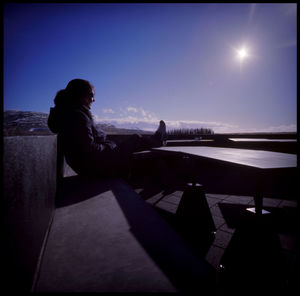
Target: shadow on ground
<point>192,221</point>
<point>76,189</point>
<point>169,251</point>
<point>254,259</point>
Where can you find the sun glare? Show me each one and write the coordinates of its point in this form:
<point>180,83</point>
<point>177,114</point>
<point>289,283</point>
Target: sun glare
<point>242,53</point>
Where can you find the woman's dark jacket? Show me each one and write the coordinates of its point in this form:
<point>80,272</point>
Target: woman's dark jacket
<point>84,146</point>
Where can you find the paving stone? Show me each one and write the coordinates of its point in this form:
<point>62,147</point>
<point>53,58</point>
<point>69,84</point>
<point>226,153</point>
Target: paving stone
<point>251,203</point>
<point>172,199</point>
<point>238,199</point>
<point>215,211</point>
<point>271,202</point>
<point>154,198</point>
<point>219,221</point>
<point>178,193</point>
<point>222,239</point>
<point>224,233</point>
<point>218,196</point>
<point>288,203</point>
<point>214,256</point>
<point>225,228</point>
<point>167,206</point>
<point>212,201</point>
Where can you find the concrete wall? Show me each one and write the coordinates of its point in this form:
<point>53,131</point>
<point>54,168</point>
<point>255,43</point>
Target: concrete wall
<point>29,185</point>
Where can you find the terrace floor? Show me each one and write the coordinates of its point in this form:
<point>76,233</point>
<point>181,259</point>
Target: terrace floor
<point>248,253</point>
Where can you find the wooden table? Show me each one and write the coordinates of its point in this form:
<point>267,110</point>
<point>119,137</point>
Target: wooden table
<point>262,162</point>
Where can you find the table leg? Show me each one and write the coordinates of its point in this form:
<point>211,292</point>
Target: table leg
<point>259,195</point>
<point>193,210</point>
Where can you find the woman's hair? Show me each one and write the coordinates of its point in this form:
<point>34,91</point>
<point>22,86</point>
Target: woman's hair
<point>75,90</point>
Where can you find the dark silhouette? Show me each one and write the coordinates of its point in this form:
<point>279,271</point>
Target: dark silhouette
<point>86,149</point>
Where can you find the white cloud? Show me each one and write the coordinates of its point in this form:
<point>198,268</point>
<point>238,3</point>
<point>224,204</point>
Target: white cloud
<point>150,122</point>
<point>132,109</point>
<point>140,112</point>
<point>139,118</point>
<point>97,118</point>
<point>111,111</point>
<point>143,112</point>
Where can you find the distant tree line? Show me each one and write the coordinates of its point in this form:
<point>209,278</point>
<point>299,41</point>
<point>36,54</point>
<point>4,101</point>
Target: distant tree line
<point>190,132</point>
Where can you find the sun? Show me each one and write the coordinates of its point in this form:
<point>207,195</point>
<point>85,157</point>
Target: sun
<point>242,53</point>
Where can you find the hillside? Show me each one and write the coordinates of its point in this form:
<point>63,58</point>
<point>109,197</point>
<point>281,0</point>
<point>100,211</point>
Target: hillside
<point>17,123</point>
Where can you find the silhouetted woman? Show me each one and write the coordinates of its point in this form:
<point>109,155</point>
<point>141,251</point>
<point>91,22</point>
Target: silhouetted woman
<point>85,147</point>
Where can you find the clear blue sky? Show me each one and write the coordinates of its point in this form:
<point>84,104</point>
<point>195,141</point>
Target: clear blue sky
<point>177,62</point>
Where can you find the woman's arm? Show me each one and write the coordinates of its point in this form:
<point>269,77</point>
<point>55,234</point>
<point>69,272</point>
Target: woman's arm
<point>82,136</point>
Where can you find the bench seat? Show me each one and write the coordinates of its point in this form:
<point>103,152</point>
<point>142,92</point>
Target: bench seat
<point>105,238</point>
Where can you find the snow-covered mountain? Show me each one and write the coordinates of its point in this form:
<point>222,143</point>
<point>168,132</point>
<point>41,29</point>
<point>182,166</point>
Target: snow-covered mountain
<point>35,123</point>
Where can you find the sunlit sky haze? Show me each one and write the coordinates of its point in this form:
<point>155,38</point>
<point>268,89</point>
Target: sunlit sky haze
<point>229,67</point>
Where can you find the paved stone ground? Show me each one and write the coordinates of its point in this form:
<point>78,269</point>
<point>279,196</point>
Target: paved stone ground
<point>250,255</point>
<point>254,252</point>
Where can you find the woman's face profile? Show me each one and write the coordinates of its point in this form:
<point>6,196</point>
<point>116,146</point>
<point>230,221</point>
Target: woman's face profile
<point>88,99</point>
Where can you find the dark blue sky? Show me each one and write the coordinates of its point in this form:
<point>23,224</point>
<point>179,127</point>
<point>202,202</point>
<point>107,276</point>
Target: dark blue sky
<point>177,62</point>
